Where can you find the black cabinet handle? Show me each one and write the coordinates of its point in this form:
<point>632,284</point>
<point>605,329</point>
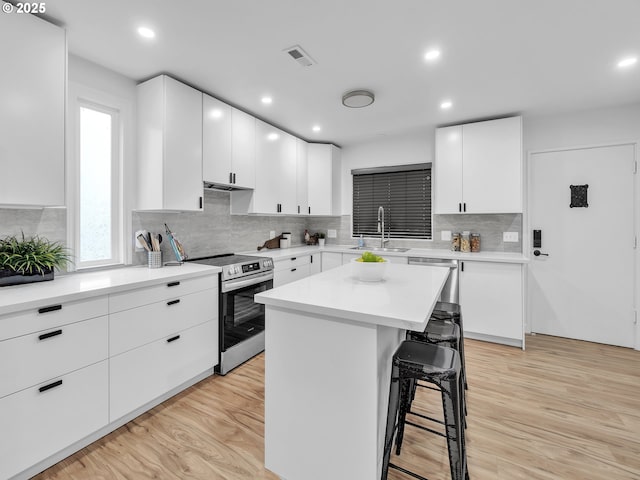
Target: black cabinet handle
<point>55,384</point>
<point>293,269</point>
<point>173,284</point>
<point>52,308</point>
<point>173,302</point>
<point>298,208</point>
<point>293,259</point>
<point>309,210</point>
<point>230,177</point>
<point>462,266</point>
<point>44,336</point>
<point>173,339</point>
<point>464,207</point>
<point>459,207</point>
<point>234,178</point>
<point>200,202</point>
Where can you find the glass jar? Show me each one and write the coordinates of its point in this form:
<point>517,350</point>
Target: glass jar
<point>455,242</point>
<point>475,242</point>
<point>465,242</point>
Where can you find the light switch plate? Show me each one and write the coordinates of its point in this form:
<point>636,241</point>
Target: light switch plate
<point>445,235</point>
<point>509,236</point>
<point>331,233</point>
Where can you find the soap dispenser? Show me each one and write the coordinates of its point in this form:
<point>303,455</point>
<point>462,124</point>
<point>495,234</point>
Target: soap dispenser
<point>361,241</point>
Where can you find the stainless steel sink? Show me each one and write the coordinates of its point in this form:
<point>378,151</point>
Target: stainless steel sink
<point>381,249</point>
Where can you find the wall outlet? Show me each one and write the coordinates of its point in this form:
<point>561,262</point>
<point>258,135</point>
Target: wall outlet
<point>139,246</point>
<point>445,235</point>
<point>272,234</point>
<point>331,233</point>
<point>510,236</point>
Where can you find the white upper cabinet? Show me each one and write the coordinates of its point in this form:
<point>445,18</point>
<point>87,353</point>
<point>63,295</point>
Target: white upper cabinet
<point>32,100</point>
<point>169,146</point>
<point>243,149</point>
<point>323,174</point>
<point>216,141</point>
<point>276,164</point>
<point>228,145</point>
<point>302,189</point>
<point>479,167</point>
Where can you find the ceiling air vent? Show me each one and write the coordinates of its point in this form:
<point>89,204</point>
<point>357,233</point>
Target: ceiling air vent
<point>299,55</point>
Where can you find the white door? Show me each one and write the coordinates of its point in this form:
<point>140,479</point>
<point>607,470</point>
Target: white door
<point>584,288</point>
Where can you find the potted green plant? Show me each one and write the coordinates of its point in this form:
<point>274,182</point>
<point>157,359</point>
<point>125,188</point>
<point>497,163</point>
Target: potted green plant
<point>28,260</point>
<point>321,239</point>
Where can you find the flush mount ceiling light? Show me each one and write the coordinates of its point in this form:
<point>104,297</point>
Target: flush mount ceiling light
<point>447,104</point>
<point>267,100</point>
<point>316,128</point>
<point>432,54</point>
<point>358,98</point>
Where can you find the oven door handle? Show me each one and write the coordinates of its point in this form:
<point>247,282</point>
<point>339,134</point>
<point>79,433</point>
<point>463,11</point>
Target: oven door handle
<point>236,284</point>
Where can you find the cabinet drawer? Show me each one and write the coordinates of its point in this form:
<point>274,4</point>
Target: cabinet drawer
<point>292,262</point>
<point>138,326</point>
<point>40,356</point>
<point>165,291</point>
<point>141,375</point>
<point>36,424</point>
<point>51,316</point>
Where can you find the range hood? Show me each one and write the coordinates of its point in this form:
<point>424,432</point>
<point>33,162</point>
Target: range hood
<point>226,187</point>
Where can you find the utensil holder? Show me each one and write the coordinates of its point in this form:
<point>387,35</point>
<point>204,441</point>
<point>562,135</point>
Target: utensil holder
<point>154,259</point>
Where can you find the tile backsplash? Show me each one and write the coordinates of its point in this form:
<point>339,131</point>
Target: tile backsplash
<point>215,230</point>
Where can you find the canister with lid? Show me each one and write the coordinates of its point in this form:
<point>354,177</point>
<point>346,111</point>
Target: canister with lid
<point>475,242</point>
<point>465,242</point>
<point>455,242</point>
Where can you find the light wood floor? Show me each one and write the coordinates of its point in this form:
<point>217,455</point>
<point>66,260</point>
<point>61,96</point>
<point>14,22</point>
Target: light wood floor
<point>562,409</point>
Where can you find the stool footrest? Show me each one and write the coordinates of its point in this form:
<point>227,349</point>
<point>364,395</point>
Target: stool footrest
<point>426,429</point>
<point>408,472</point>
<point>431,419</point>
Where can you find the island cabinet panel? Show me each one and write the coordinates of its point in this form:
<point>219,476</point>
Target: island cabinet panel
<point>141,375</point>
<point>478,167</point>
<point>491,296</point>
<point>41,420</point>
<point>32,96</point>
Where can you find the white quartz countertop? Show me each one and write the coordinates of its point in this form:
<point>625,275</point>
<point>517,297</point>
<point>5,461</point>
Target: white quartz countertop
<point>502,257</point>
<point>76,286</point>
<point>403,299</point>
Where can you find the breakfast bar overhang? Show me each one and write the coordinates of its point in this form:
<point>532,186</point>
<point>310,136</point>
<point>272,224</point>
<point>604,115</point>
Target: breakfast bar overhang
<point>329,342</point>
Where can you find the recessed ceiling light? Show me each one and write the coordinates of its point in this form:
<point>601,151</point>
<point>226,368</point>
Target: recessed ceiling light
<point>146,32</point>
<point>627,62</point>
<point>215,113</point>
<point>446,105</point>
<point>273,136</point>
<point>432,54</point>
<point>316,128</point>
<point>267,100</point>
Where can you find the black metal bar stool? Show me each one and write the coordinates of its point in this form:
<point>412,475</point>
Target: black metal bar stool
<point>437,365</point>
<point>453,312</point>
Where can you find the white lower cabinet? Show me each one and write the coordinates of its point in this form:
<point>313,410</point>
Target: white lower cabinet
<point>287,270</point>
<point>316,263</point>
<point>491,296</point>
<point>43,419</point>
<point>145,373</point>
<point>331,260</point>
<point>45,354</point>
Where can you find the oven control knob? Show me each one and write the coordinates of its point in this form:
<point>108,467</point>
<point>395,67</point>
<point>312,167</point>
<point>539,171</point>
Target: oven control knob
<point>231,270</point>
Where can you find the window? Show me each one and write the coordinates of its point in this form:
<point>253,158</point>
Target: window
<point>405,193</point>
<point>98,193</point>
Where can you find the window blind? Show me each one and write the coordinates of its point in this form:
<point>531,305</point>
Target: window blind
<point>405,195</point>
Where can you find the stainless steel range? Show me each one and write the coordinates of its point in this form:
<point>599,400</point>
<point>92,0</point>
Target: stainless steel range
<point>241,319</point>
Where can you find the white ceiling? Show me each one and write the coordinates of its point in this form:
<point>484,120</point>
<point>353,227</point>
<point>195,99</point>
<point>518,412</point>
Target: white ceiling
<point>498,56</point>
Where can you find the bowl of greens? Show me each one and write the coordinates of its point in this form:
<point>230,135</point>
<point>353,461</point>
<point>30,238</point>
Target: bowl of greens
<point>369,267</point>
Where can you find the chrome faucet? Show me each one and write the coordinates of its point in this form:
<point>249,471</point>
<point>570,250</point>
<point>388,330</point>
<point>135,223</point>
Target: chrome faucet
<point>381,226</point>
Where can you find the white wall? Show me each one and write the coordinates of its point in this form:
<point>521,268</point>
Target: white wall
<point>408,148</point>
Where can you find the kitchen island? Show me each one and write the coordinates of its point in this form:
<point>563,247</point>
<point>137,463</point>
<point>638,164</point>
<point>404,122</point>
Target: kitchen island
<point>329,343</point>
